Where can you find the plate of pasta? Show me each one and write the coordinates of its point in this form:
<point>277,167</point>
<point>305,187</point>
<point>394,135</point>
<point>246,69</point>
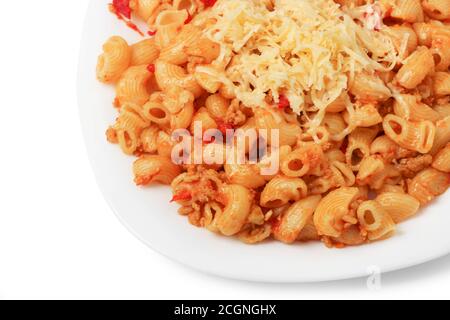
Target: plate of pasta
<point>273,140</point>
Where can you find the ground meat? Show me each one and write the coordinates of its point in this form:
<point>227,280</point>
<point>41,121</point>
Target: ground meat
<point>234,115</point>
<point>402,153</point>
<point>408,167</point>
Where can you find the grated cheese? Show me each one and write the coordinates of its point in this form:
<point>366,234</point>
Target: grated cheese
<point>307,50</point>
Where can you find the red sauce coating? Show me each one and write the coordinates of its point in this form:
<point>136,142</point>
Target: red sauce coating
<point>284,102</point>
<point>209,3</point>
<point>182,195</point>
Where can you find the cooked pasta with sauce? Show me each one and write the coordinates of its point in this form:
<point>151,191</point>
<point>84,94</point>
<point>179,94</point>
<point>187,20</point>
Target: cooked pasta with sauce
<point>306,120</point>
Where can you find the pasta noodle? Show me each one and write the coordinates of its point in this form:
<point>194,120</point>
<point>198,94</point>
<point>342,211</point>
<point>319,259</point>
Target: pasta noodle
<point>114,61</point>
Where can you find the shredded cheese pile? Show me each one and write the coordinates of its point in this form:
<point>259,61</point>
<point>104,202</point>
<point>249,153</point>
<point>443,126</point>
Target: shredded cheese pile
<point>306,50</point>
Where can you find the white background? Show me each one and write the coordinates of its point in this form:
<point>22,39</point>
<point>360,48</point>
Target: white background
<point>58,237</point>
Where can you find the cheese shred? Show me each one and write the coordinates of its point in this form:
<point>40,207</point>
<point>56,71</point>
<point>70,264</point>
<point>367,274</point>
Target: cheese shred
<point>306,50</point>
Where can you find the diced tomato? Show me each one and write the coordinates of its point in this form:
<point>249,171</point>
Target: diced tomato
<point>283,102</point>
<point>181,196</point>
<point>189,18</point>
<point>151,68</point>
<point>116,102</point>
<point>223,127</point>
<point>122,14</point>
<point>152,33</point>
<point>208,140</point>
<point>123,7</point>
<point>209,3</point>
<point>275,223</point>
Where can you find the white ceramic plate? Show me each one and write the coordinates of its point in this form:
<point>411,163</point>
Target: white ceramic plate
<point>148,214</point>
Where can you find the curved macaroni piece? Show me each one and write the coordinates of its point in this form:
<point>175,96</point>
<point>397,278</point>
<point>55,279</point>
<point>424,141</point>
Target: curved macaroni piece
<point>342,174</point>
<point>294,219</point>
<point>442,160</point>
<point>164,144</point>
<point>443,110</point>
<point>144,52</point>
<point>441,84</point>
<point>132,86</point>
<point>335,155</point>
<point>398,205</point>
<point>227,91</point>
<point>151,168</point>
<point>176,51</point>
<point>114,60</point>
<point>183,119</point>
<point>190,5</point>
<point>205,49</point>
<point>428,184</point>
<point>280,190</point>
<point>398,34</point>
<point>167,24</point>
<point>332,208</point>
<point>289,133</point>
<point>388,149</point>
<point>265,119</point>
<point>202,116</point>
<point>441,54</point>
<point>217,106</point>
<point>427,32</point>
<point>408,11</point>
<point>245,175</point>
<point>410,108</point>
<point>442,136</point>
<point>208,82</point>
<point>369,170</point>
<point>364,116</point>
<point>369,88</point>
<point>415,68</point>
<point>334,123</point>
<point>169,75</point>
<point>390,188</point>
<point>358,147</point>
<point>416,136</point>
<point>149,138</point>
<point>256,234</point>
<point>437,9</point>
<point>211,212</point>
<point>309,232</point>
<point>236,211</point>
<point>156,112</point>
<point>144,8</point>
<point>375,220</point>
<point>302,160</point>
<point>339,104</point>
<point>128,128</point>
